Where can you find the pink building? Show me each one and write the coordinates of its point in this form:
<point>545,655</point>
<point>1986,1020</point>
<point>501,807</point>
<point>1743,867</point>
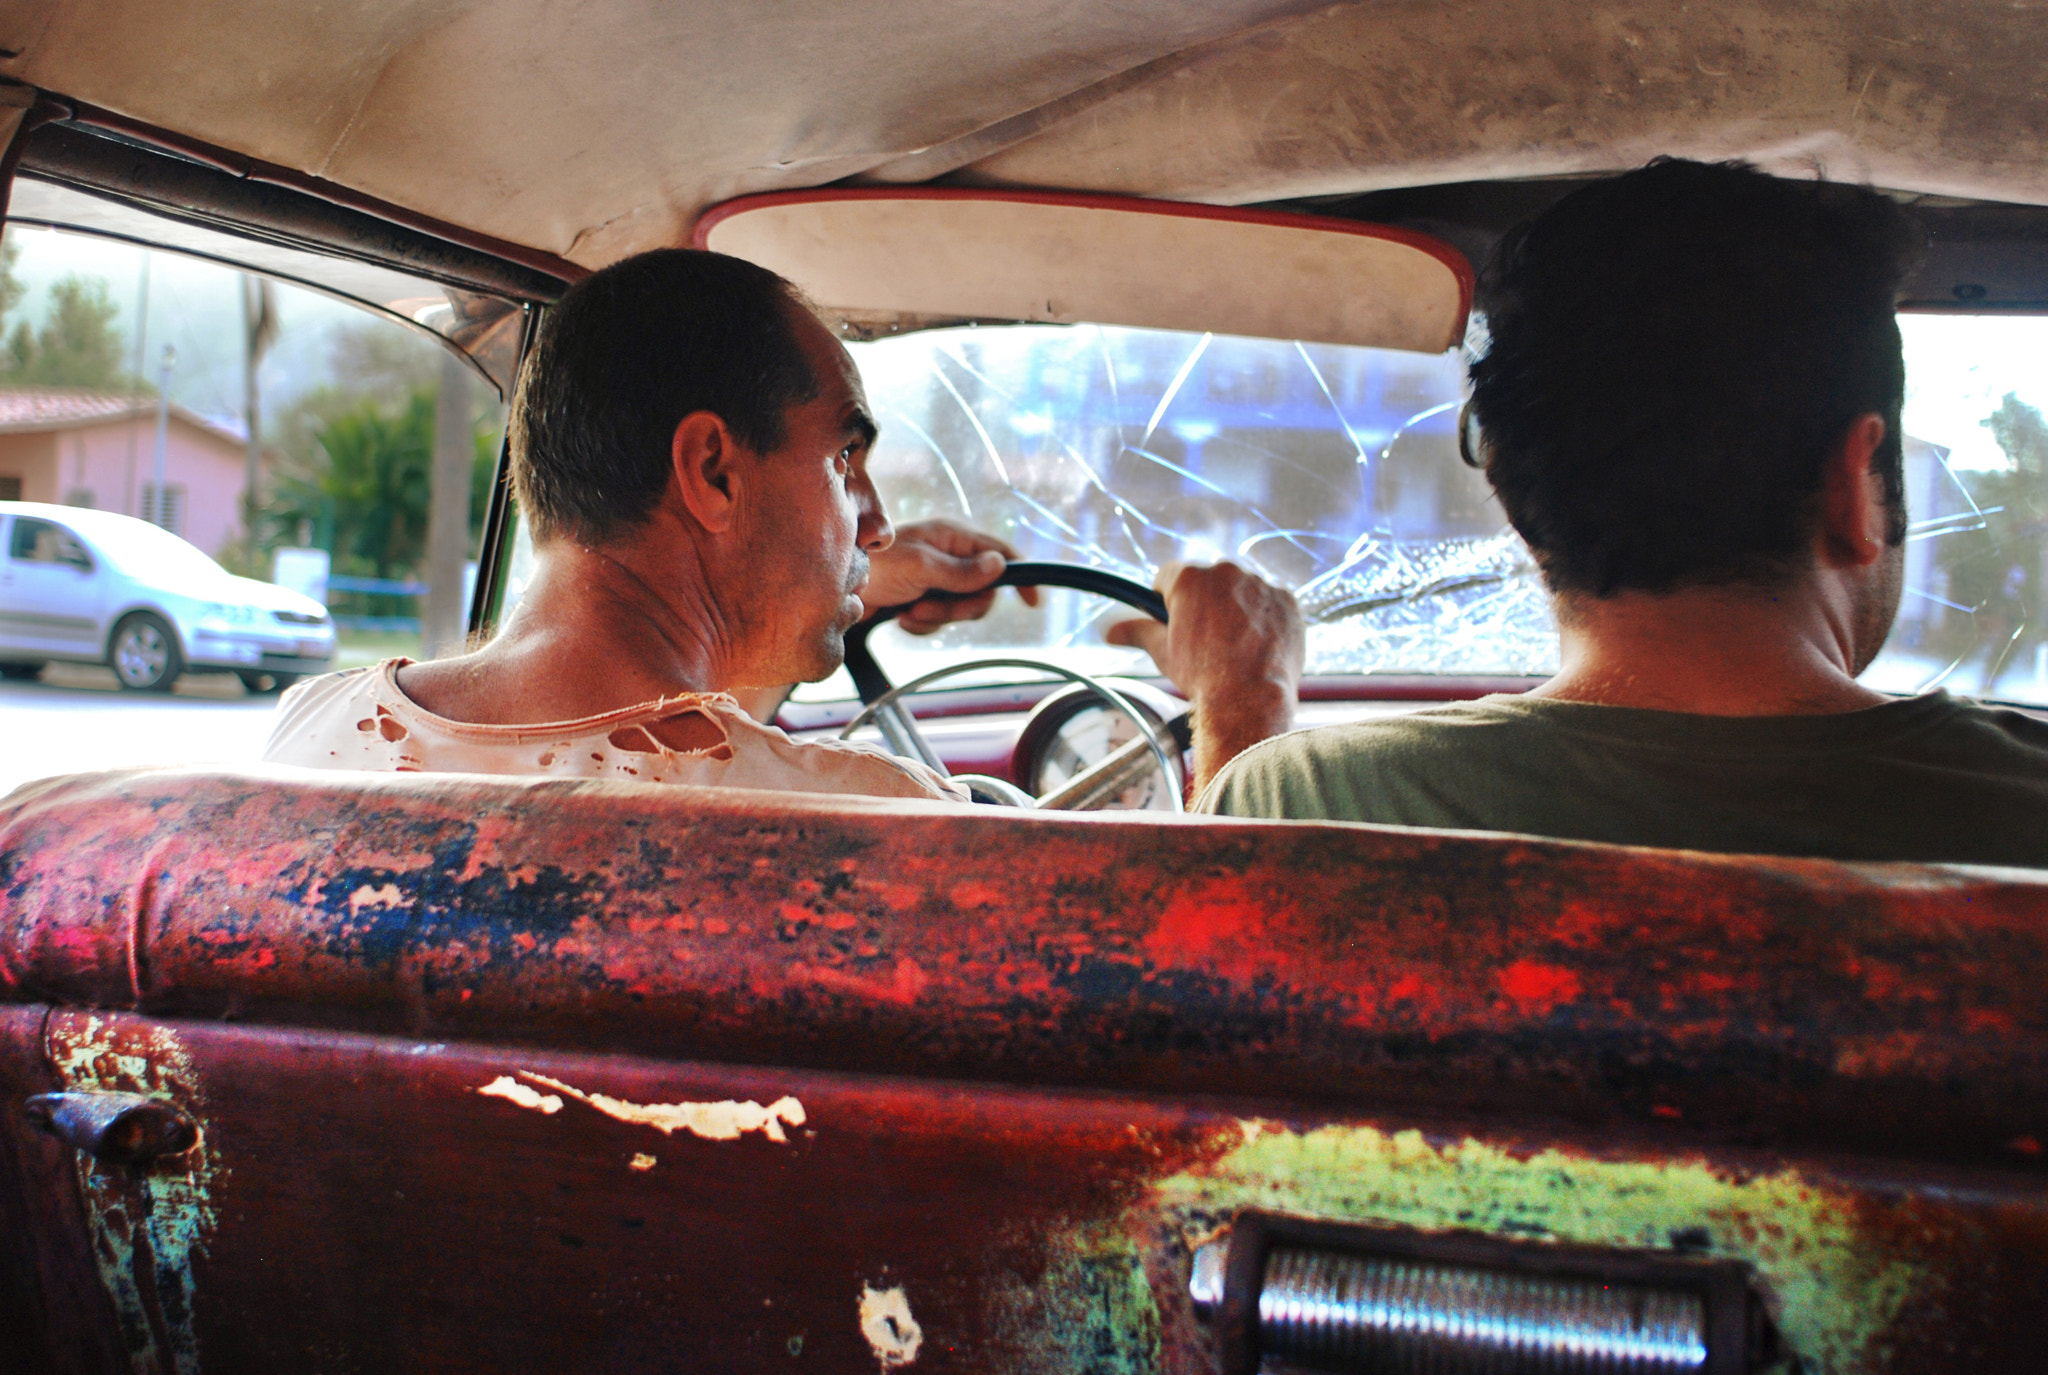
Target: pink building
<point>73,447</point>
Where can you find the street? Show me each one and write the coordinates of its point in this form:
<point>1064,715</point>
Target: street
<point>78,720</point>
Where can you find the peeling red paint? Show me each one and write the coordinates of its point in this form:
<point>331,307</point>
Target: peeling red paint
<point>1981,1019</point>
<point>1536,988</point>
<point>1223,920</point>
<point>904,985</point>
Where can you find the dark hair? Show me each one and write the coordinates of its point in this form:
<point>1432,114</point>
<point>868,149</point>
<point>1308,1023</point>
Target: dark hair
<point>623,357</point>
<point>1673,354</point>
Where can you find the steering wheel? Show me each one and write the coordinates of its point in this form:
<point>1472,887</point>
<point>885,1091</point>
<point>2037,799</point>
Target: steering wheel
<point>882,701</point>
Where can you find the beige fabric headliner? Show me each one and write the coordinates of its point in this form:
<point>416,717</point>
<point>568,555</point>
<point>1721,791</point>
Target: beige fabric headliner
<point>600,128</point>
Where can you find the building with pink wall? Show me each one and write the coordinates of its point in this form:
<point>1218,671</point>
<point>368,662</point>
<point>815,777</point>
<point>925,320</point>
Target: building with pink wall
<point>73,447</point>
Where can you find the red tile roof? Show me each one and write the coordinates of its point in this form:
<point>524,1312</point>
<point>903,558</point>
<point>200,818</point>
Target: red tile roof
<point>29,409</point>
<point>40,408</point>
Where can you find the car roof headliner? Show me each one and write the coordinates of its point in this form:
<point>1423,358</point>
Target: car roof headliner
<point>600,129</point>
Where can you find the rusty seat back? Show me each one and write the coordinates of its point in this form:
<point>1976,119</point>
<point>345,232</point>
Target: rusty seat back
<point>1895,1008</point>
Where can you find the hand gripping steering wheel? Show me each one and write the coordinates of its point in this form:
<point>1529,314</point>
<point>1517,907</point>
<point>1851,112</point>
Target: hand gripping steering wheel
<point>883,703</point>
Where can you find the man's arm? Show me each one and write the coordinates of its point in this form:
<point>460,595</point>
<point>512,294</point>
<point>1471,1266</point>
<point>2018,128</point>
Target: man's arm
<point>1233,643</point>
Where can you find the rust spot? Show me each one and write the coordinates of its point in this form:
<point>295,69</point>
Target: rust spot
<point>367,726</point>
<point>391,729</point>
<point>547,757</point>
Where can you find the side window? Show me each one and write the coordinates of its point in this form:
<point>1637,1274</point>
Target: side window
<point>34,541</point>
<point>198,421</point>
<point>42,541</point>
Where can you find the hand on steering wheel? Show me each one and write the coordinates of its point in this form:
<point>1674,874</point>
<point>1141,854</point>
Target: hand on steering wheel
<point>1089,788</point>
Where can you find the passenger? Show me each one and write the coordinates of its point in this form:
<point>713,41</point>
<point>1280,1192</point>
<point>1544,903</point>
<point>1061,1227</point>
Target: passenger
<point>689,449</point>
<point>1690,409</point>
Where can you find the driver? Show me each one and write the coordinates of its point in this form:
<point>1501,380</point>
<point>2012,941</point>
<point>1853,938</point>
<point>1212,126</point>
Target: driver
<point>689,447</point>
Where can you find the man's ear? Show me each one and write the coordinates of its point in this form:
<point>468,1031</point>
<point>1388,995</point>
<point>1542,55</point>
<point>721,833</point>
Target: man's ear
<point>1854,519</point>
<point>701,457</point>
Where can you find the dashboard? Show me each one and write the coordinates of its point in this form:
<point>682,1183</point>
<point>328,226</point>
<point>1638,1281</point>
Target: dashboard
<point>1038,735</point>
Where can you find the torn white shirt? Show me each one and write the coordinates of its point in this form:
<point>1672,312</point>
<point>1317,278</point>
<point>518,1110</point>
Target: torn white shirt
<point>361,719</point>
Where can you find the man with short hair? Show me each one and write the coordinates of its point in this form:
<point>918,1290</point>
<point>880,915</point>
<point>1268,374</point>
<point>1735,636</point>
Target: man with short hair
<point>689,448</point>
<point>1689,406</point>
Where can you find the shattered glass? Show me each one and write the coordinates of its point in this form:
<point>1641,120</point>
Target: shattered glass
<point>1976,571</point>
<point>1331,470</point>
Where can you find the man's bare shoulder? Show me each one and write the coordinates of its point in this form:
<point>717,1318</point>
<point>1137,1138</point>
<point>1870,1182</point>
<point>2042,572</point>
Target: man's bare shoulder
<point>513,683</point>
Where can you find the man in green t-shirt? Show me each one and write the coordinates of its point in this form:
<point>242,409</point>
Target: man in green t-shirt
<point>1689,406</point>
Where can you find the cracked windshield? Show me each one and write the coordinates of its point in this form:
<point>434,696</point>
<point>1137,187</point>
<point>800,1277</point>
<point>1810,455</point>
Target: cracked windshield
<point>1334,471</point>
<point>154,600</point>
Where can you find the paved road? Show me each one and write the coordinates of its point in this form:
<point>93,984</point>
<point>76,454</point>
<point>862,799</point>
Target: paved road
<point>77,719</point>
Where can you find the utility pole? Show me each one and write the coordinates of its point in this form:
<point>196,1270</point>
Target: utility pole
<point>128,501</point>
<point>443,619</point>
<point>160,515</point>
<point>259,330</point>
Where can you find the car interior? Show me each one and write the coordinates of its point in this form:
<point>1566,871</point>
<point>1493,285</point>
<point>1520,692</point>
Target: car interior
<point>329,1071</point>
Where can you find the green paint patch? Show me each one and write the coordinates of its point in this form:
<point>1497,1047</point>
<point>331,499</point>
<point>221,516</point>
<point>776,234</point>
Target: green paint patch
<point>171,1213</point>
<point>1833,1285</point>
<point>1090,1311</point>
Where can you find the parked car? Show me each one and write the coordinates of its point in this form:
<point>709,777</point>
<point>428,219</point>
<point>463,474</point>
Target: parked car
<point>411,1072</point>
<point>93,587</point>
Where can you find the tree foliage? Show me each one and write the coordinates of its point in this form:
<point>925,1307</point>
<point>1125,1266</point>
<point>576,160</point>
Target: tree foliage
<point>368,500</point>
<point>79,344</point>
<point>2022,434</point>
<point>2003,570</point>
<point>11,287</point>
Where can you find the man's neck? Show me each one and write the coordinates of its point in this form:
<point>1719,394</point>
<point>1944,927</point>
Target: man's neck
<point>1712,651</point>
<point>596,630</point>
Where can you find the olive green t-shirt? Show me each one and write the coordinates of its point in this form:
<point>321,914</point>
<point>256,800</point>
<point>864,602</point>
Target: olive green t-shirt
<point>1926,778</point>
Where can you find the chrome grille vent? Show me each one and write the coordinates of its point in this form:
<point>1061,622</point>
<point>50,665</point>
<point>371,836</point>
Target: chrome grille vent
<point>1288,1294</point>
<point>1333,1311</point>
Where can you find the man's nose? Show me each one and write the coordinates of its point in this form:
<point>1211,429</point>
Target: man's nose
<point>874,532</point>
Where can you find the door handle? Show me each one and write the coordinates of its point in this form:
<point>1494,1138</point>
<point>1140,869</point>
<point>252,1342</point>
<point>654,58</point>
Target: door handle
<point>114,1128</point>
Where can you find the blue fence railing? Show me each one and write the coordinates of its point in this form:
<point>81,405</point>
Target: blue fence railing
<point>382,625</point>
<point>383,587</point>
<point>380,587</point>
